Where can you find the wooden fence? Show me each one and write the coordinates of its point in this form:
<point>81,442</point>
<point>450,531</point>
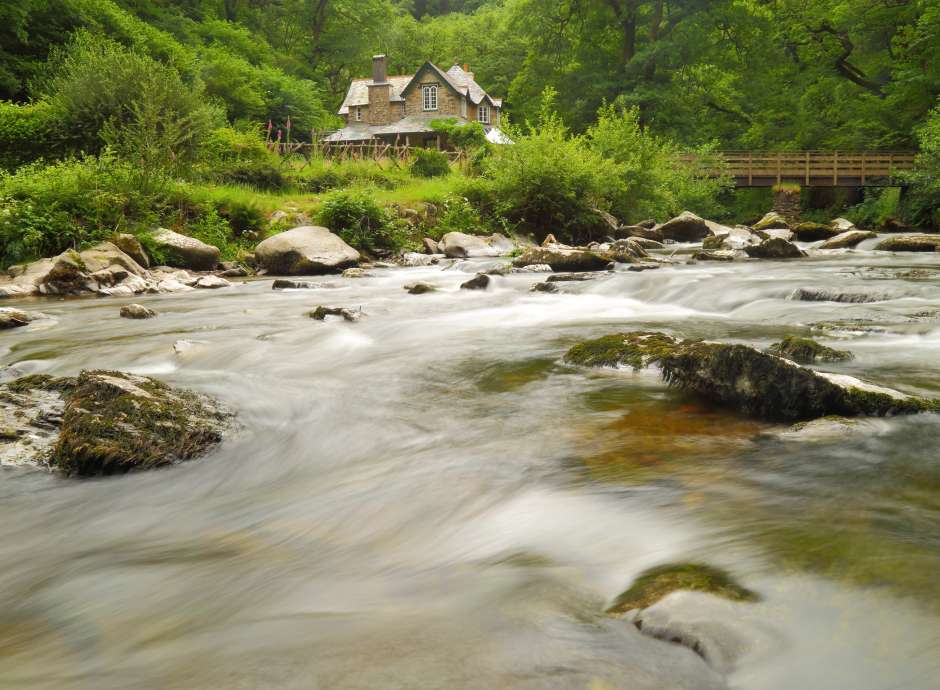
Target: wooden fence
<point>369,149</point>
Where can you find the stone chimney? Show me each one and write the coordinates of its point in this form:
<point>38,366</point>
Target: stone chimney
<point>379,69</point>
<point>466,68</point>
<point>380,93</point>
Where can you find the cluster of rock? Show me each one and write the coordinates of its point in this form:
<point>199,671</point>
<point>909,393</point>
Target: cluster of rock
<point>105,422</point>
<point>118,268</point>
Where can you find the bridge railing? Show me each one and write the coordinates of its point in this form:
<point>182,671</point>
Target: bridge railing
<point>761,168</point>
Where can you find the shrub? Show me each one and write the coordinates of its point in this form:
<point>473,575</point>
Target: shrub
<point>457,214</point>
<point>26,133</point>
<point>548,181</point>
<point>28,231</point>
<point>430,163</point>
<point>210,227</point>
<point>922,205</point>
<point>355,216</point>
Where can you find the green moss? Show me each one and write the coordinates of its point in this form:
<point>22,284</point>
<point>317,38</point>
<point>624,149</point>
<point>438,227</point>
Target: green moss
<point>656,583</point>
<point>810,232</point>
<point>41,382</point>
<point>637,350</point>
<point>807,351</point>
<point>504,377</point>
<point>114,423</point>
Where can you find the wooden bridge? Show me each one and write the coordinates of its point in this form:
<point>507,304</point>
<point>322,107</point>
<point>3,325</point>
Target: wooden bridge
<point>816,168</point>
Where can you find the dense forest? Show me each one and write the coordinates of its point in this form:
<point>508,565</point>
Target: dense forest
<point>169,82</point>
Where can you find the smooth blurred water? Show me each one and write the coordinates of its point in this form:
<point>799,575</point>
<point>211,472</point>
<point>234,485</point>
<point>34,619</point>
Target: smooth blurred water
<point>429,498</point>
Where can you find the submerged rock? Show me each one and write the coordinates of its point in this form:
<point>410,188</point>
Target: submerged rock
<point>544,287</point>
<point>183,251</point>
<point>563,259</point>
<point>656,583</point>
<point>686,227</point>
<point>807,351</point>
<point>137,311</point>
<point>775,248</point>
<point>849,238</point>
<point>910,243</point>
<point>414,259</point>
<point>284,284</point>
<point>479,282</point>
<point>830,429</point>
<point>757,383</point>
<point>805,294</point>
<point>355,273</point>
<point>419,288</point>
<point>211,283</point>
<point>307,250</point>
<point>719,255</point>
<point>321,312</point>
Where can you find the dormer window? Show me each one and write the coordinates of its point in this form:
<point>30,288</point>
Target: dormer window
<point>483,113</point>
<point>430,96</point>
<point>359,114</point>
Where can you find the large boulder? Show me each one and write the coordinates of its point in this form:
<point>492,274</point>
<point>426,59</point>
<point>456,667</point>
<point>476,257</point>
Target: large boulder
<point>15,318</point>
<point>106,422</point>
<point>757,383</point>
<point>563,259</point>
<point>626,251</point>
<point>729,237</point>
<point>813,232</point>
<point>307,250</point>
<point>182,251</point>
<point>771,221</point>
<point>849,238</point>
<point>131,246</point>
<point>459,245</point>
<point>116,422</point>
<point>774,248</point>
<point>639,231</point>
<point>910,243</point>
<point>686,227</point>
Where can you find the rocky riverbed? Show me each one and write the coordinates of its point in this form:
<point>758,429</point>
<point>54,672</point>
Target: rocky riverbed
<point>432,485</point>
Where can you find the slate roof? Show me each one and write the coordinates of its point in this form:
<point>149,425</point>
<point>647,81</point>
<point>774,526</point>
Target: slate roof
<point>459,80</point>
<point>413,124</point>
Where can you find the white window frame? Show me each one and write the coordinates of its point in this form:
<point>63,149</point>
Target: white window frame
<point>463,107</point>
<point>429,97</point>
<point>358,113</point>
<point>483,113</point>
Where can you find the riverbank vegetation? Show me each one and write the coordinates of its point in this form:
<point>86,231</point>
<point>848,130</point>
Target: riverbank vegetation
<point>124,116</point>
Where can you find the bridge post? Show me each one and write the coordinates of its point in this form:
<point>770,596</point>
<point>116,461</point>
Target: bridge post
<point>779,167</point>
<point>750,168</point>
<point>806,168</point>
<point>835,168</point>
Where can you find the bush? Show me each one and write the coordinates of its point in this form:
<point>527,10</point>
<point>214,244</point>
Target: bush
<point>28,231</point>
<point>458,215</point>
<point>430,163</point>
<point>355,216</point>
<point>323,175</point>
<point>26,133</point>
<point>548,181</point>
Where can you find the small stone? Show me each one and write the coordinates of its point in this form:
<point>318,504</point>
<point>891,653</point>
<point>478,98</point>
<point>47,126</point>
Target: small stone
<point>321,312</point>
<point>544,287</point>
<point>284,284</point>
<point>480,282</point>
<point>212,282</point>
<point>354,273</point>
<point>419,288</point>
<point>137,311</point>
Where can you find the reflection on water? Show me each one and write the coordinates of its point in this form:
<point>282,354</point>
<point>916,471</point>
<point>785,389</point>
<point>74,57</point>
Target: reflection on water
<point>430,498</point>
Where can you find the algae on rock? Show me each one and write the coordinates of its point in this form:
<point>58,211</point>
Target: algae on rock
<point>658,582</point>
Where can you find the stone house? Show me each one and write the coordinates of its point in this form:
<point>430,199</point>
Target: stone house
<point>400,109</point>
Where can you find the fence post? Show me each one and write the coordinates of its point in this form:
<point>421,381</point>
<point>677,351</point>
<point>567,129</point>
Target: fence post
<point>807,168</point>
<point>835,168</point>
<point>779,166</point>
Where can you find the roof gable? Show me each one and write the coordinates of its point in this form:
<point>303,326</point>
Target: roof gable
<point>430,67</point>
<point>474,91</point>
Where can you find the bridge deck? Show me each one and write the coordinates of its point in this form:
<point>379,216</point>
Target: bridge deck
<point>816,168</point>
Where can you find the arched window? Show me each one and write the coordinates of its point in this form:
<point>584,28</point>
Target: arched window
<point>430,97</point>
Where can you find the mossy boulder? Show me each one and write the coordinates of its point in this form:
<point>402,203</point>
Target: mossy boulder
<point>771,221</point>
<point>658,582</point>
<point>686,227</point>
<point>910,243</point>
<point>774,248</point>
<point>635,350</point>
<point>563,259</point>
<point>847,239</point>
<point>116,422</point>
<point>807,351</point>
<point>759,384</point>
<point>812,232</point>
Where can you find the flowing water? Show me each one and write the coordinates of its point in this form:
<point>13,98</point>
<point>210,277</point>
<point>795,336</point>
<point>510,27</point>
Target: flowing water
<point>429,498</point>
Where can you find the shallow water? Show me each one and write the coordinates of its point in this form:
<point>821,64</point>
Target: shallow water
<point>429,498</point>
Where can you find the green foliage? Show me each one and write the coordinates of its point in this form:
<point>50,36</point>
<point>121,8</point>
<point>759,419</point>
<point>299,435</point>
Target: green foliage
<point>355,216</point>
<point>457,214</point>
<point>26,133</point>
<point>466,136</point>
<point>879,206</point>
<point>430,163</point>
<point>923,203</point>
<point>324,175</point>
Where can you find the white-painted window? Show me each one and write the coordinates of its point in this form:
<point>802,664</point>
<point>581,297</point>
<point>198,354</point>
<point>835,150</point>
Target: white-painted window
<point>359,114</point>
<point>463,107</point>
<point>430,97</point>
<point>483,113</point>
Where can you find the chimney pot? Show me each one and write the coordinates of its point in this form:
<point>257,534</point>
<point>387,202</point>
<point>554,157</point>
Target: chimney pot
<point>379,69</point>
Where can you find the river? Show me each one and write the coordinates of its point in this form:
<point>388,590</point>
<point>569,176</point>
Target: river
<point>429,498</point>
